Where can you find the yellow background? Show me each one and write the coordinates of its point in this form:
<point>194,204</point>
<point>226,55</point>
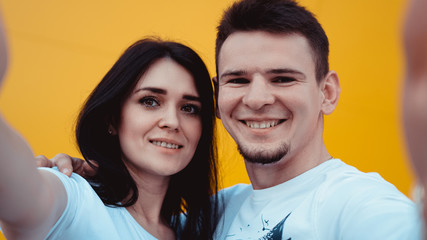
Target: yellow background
<point>61,49</point>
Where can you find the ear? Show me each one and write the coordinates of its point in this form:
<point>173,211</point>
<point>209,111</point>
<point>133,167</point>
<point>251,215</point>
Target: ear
<point>331,90</point>
<point>111,126</point>
<point>112,130</point>
<point>216,89</point>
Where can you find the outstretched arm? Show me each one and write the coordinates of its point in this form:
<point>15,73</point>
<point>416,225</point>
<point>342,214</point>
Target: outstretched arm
<point>31,201</point>
<point>3,53</point>
<point>415,91</point>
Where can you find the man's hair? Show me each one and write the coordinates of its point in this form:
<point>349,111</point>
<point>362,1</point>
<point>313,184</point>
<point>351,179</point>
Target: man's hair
<point>278,17</point>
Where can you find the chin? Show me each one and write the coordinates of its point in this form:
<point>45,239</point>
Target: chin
<point>263,156</point>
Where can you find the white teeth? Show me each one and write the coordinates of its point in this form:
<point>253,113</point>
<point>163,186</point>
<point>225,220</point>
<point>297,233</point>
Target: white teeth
<point>261,125</point>
<point>165,144</point>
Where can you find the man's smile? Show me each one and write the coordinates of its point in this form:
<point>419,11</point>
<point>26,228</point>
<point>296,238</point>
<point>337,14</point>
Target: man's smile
<point>262,124</point>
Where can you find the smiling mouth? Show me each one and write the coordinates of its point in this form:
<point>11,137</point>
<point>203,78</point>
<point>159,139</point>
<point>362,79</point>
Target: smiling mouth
<point>263,124</point>
<point>166,144</point>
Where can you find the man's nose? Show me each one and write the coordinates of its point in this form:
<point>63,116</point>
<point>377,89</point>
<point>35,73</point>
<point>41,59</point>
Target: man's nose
<point>258,94</point>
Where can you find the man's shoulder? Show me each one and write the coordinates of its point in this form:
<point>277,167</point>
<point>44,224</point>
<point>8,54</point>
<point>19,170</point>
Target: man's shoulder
<point>356,201</point>
<point>345,177</point>
<point>347,187</point>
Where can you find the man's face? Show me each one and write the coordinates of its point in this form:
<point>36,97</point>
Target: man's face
<point>268,98</point>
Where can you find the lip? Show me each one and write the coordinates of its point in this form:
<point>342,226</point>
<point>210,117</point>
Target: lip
<point>165,143</point>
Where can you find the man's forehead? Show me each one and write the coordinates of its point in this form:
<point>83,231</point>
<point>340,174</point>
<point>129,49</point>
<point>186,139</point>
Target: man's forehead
<point>263,51</point>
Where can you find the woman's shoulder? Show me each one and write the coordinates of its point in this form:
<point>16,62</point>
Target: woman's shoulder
<point>69,182</point>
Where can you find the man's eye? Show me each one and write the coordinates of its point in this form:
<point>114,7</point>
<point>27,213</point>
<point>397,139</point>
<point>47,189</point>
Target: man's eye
<point>283,79</point>
<point>238,81</point>
<point>149,102</point>
<point>190,108</point>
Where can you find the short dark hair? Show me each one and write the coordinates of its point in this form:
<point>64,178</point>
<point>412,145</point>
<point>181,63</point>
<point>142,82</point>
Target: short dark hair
<point>275,16</point>
<point>190,191</point>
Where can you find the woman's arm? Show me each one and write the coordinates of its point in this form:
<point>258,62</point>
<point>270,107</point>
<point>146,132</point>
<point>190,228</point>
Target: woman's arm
<point>31,201</point>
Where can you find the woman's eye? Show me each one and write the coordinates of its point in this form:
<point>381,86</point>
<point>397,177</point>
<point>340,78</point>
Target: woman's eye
<point>149,102</point>
<point>190,108</point>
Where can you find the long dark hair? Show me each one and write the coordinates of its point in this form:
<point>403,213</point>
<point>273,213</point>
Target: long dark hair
<point>191,191</point>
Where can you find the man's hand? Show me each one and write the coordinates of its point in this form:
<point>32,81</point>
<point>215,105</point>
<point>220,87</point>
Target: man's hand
<point>67,164</point>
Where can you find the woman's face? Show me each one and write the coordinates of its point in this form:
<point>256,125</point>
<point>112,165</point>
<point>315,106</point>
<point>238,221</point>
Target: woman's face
<point>160,124</point>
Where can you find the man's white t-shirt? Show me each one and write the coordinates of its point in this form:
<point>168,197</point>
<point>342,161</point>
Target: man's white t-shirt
<point>331,201</point>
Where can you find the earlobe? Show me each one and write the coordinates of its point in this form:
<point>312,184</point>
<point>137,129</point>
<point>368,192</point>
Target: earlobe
<point>331,91</point>
<point>111,126</point>
<point>112,130</point>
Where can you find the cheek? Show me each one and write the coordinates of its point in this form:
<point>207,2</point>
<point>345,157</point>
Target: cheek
<point>194,131</point>
<point>132,126</point>
<point>310,105</point>
<point>227,99</point>
<point>127,135</point>
<point>191,129</point>
<point>128,125</point>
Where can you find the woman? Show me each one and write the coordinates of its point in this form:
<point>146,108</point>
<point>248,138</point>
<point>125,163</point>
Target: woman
<point>148,127</point>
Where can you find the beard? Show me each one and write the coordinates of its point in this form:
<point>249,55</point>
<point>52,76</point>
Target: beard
<point>263,156</point>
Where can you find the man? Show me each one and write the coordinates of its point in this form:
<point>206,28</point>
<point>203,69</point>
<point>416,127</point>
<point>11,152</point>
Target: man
<point>415,92</point>
<point>273,87</point>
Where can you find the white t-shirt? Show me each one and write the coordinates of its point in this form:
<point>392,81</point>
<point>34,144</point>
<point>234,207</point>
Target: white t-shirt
<point>86,217</point>
<point>330,201</point>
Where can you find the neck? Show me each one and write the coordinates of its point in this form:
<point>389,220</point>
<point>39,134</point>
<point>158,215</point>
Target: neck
<point>147,209</point>
<point>293,164</point>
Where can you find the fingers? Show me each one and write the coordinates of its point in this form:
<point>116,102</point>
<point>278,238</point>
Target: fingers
<point>64,163</point>
<point>79,166</point>
<point>43,161</point>
<point>88,171</point>
<point>67,165</point>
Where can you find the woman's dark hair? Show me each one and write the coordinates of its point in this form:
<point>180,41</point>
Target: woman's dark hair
<point>191,191</point>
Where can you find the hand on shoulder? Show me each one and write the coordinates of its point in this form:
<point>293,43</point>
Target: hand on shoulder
<point>67,165</point>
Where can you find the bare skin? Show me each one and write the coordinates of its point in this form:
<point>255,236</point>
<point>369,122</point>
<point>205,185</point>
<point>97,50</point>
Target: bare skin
<point>415,91</point>
<point>3,52</point>
<point>268,98</point>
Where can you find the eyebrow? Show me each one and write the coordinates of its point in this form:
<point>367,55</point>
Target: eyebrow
<point>238,73</point>
<point>233,73</point>
<point>164,92</point>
